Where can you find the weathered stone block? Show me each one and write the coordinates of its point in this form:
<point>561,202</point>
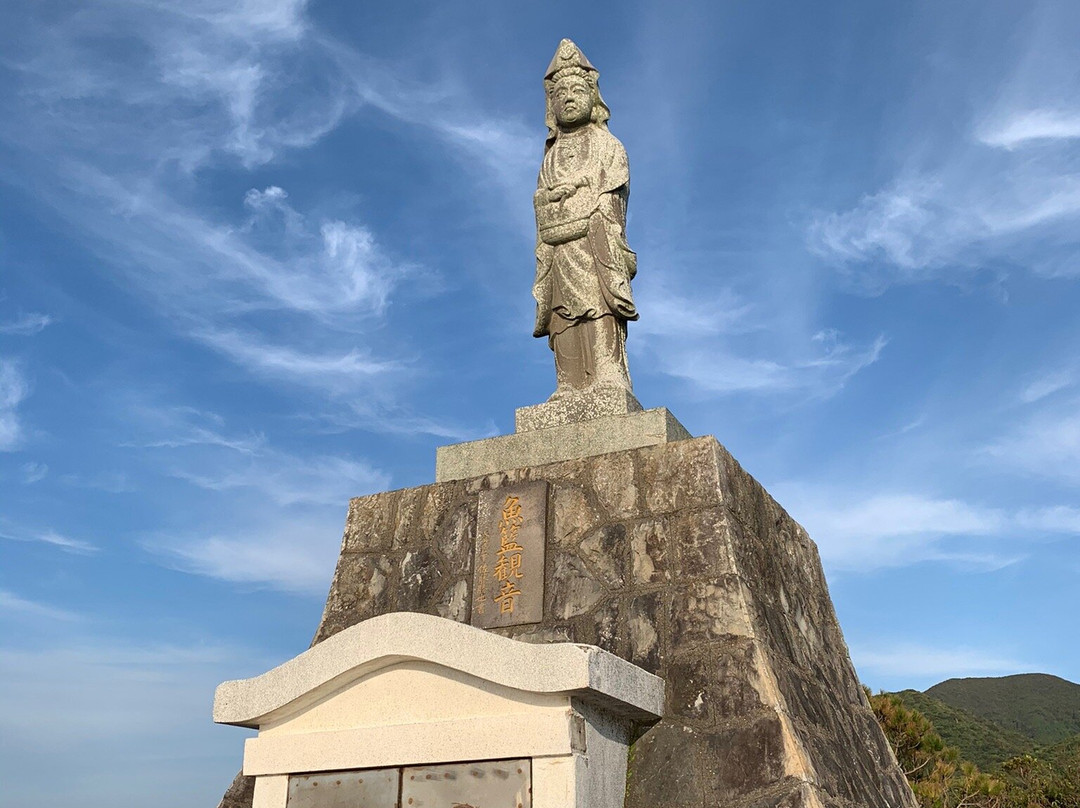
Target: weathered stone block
<point>361,589</point>
<point>574,589</point>
<point>703,540</point>
<point>573,514</point>
<point>644,624</point>
<point>606,551</point>
<point>664,769</point>
<point>741,759</point>
<point>716,683</point>
<point>711,611</point>
<point>369,526</point>
<point>649,553</point>
<point>420,580</point>
<point>584,406</point>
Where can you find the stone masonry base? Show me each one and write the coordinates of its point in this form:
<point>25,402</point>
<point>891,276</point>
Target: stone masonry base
<point>674,558</point>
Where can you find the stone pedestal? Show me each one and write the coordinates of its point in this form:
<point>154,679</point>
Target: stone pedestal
<point>581,425</point>
<point>576,408</point>
<point>672,557</point>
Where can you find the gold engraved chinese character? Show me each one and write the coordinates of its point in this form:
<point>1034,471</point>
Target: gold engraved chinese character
<point>509,564</point>
<point>511,520</point>
<point>506,596</point>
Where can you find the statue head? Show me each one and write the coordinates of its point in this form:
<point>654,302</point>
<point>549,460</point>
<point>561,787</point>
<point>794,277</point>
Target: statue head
<point>573,95</point>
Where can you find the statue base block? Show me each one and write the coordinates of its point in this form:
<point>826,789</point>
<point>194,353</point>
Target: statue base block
<point>577,407</point>
<point>610,433</point>
<point>674,558</point>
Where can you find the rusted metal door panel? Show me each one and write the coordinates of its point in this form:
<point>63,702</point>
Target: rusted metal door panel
<point>493,784</point>
<point>367,788</point>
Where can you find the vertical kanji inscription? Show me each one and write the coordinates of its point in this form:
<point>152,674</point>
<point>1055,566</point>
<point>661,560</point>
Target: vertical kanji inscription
<point>508,567</point>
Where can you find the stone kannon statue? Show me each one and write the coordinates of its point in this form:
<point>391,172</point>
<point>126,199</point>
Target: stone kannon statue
<point>583,263</point>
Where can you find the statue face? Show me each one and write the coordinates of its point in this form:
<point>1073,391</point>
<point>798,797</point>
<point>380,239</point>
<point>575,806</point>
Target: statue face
<point>572,101</point>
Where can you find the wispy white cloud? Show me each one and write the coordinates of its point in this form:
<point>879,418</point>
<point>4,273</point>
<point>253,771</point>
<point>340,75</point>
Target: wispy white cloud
<point>1023,127</point>
<point>955,221</point>
<point>718,341</point>
<point>1046,385</point>
<point>291,556</point>
<point>267,517</point>
<point>51,537</point>
<point>504,149</point>
<point>172,427</point>
<point>333,372</point>
<point>1044,443</point>
<point>34,472</point>
<point>12,603</point>
<point>227,81</point>
<point>877,530</point>
<point>907,659</point>
<point>1054,519</point>
<point>65,543</point>
<point>336,266</point>
<point>117,147</point>
<point>277,259</point>
<point>217,68</point>
<point>289,480</point>
<point>910,224</point>
<point>822,370</point>
<point>195,435</point>
<point>678,315</point>
<point>26,324</point>
<point>1004,194</point>
<point>111,482</point>
<point>14,388</point>
<point>195,446</point>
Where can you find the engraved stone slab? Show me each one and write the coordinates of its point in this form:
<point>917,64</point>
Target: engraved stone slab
<point>370,788</point>
<point>508,561</point>
<point>491,784</point>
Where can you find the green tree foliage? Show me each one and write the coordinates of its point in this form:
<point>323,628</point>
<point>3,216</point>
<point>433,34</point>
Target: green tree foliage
<point>979,740</point>
<point>1032,782</point>
<point>940,778</point>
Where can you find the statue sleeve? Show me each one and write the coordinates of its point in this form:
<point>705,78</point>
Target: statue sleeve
<point>615,170</point>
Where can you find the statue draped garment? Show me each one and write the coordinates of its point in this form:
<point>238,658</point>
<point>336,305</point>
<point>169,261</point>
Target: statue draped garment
<point>583,263</point>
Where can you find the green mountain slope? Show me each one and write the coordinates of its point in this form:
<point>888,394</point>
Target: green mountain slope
<point>1064,754</point>
<point>982,742</point>
<point>1044,708</point>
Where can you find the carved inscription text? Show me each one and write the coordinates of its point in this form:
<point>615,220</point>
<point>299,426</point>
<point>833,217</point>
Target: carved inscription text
<point>508,566</point>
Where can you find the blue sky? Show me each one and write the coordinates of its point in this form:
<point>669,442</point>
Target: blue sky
<point>258,257</point>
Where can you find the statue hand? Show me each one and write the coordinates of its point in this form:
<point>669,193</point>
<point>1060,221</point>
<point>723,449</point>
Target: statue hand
<point>560,192</point>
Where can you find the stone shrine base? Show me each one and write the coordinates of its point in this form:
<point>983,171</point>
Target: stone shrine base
<point>674,558</point>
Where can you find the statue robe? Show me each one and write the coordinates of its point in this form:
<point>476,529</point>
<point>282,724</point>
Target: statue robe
<point>583,263</point>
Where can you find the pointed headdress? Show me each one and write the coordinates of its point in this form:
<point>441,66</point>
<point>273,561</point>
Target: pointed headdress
<point>570,61</point>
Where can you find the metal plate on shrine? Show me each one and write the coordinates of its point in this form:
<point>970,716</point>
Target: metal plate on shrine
<point>508,562</point>
<point>366,788</point>
<point>493,784</point>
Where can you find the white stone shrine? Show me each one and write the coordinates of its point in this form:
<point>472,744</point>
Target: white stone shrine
<point>429,711</point>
